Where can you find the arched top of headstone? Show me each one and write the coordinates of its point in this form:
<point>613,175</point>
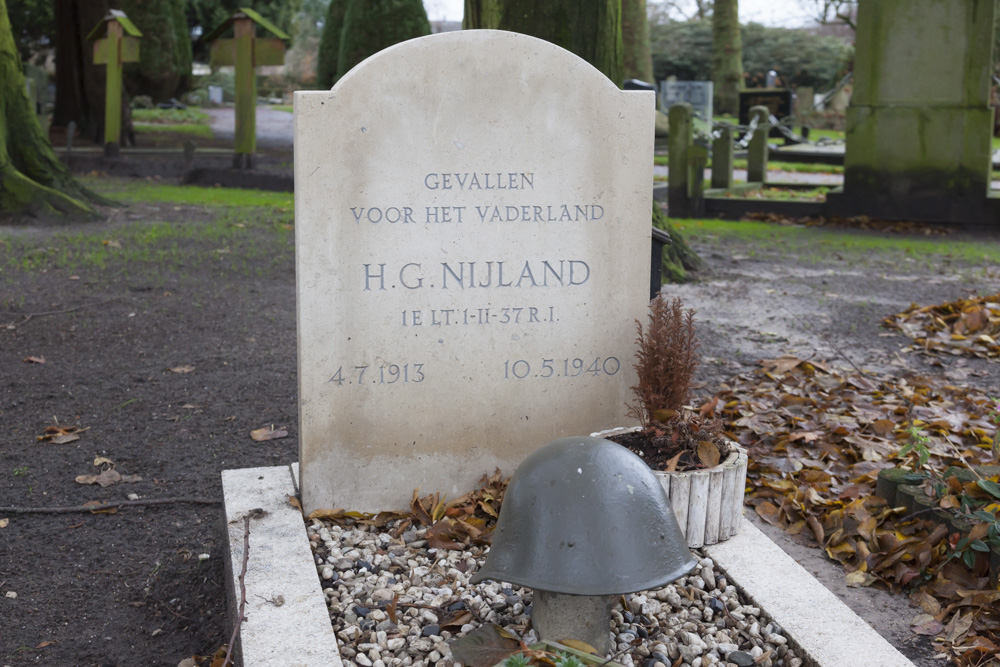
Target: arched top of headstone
<point>474,53</point>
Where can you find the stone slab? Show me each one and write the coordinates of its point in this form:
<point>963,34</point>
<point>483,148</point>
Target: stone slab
<point>817,623</point>
<point>472,240</point>
<point>287,623</point>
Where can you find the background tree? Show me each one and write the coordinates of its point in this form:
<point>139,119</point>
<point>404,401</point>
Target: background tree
<point>801,58</point>
<point>164,67</point>
<point>372,25</point>
<point>32,180</point>
<point>79,82</point>
<point>32,24</point>
<point>329,44</point>
<point>727,56</point>
<point>638,63</point>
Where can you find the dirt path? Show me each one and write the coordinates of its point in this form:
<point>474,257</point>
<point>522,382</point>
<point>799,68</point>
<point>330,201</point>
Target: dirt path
<point>168,332</point>
<point>274,127</point>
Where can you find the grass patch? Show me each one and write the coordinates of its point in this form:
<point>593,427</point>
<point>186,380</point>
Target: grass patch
<point>821,243</point>
<point>151,191</point>
<point>282,107</point>
<point>193,130</point>
<point>191,116</point>
<point>773,165</point>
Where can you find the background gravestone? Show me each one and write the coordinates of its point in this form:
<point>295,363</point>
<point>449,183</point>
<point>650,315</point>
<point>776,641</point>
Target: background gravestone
<point>472,239</point>
<point>696,93</point>
<point>919,125</point>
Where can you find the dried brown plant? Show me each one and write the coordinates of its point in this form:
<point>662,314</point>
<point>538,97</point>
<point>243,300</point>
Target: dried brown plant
<point>666,360</point>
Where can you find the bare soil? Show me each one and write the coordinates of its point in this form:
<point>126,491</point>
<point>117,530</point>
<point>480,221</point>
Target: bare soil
<point>171,359</point>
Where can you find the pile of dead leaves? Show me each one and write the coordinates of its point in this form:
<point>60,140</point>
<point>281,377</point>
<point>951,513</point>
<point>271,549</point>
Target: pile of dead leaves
<point>817,440</point>
<point>967,326</point>
<point>451,524</point>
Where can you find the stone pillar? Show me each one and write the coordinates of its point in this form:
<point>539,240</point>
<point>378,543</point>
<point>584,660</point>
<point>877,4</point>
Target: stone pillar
<point>697,159</point>
<point>587,618</point>
<point>678,147</point>
<point>919,124</point>
<point>757,151</point>
<point>722,159</point>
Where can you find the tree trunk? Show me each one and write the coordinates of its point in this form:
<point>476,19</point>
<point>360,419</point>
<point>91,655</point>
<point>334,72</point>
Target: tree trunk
<point>32,180</point>
<point>727,56</point>
<point>678,257</point>
<point>79,82</point>
<point>481,14</point>
<point>635,40</point>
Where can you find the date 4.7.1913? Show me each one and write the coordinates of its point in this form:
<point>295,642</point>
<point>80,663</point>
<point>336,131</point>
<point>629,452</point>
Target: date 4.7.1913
<point>384,374</point>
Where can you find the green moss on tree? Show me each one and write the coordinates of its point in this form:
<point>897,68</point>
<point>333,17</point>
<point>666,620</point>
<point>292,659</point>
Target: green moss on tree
<point>481,14</point>
<point>373,25</point>
<point>329,44</point>
<point>32,180</point>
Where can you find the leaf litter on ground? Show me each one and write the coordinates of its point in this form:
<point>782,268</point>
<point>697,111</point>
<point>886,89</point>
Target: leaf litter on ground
<point>817,439</point>
<point>968,326</point>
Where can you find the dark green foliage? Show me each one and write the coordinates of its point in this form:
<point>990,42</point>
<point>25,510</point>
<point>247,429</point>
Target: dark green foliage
<point>33,25</point>
<point>204,15</point>
<point>164,67</point>
<point>329,44</point>
<point>372,25</point>
<point>801,58</point>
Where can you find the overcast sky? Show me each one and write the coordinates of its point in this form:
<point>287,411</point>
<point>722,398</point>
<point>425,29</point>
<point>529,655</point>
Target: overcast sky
<point>784,13</point>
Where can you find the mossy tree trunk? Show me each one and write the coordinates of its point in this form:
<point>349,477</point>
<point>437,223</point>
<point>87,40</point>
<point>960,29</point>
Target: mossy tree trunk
<point>32,180</point>
<point>593,31</point>
<point>638,61</point>
<point>329,44</point>
<point>727,56</point>
<point>372,25</point>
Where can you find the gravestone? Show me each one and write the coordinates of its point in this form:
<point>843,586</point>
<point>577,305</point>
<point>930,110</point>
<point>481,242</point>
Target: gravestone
<point>696,93</point>
<point>919,124</point>
<point>215,95</point>
<point>472,236</point>
<point>777,101</point>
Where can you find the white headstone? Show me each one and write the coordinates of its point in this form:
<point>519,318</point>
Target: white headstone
<point>215,94</point>
<point>696,93</point>
<point>472,247</point>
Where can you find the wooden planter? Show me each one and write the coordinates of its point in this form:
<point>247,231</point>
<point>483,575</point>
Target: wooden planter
<point>708,503</point>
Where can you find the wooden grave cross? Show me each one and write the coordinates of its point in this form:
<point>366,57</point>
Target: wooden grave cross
<point>247,52</point>
<point>116,41</point>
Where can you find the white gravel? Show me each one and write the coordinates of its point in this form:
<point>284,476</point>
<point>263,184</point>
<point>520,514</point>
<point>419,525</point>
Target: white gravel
<point>699,618</point>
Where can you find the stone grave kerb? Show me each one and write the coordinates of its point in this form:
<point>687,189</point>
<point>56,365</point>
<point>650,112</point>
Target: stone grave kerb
<point>472,232</point>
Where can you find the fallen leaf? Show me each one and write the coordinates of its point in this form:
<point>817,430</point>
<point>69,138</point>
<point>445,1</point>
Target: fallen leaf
<point>708,453</point>
<point>268,433</point>
<point>105,479</point>
<point>579,645</point>
<point>34,360</point>
<point>181,369</point>
<point>101,460</point>
<point>47,642</point>
<point>485,646</point>
<point>64,439</point>
<point>4,523</point>
<point>294,502</point>
<point>131,479</point>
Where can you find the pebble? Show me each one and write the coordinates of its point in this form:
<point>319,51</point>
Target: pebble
<point>699,619</point>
